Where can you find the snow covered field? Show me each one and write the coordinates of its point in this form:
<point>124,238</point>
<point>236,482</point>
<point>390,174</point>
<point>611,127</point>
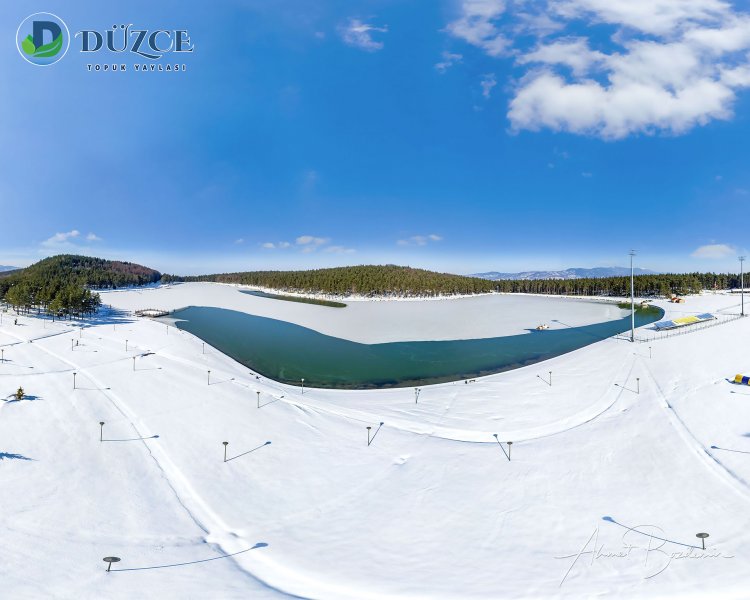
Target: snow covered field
<point>647,434</point>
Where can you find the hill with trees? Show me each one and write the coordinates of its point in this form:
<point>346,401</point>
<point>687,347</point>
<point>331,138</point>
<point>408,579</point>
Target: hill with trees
<point>62,285</point>
<point>391,280</point>
<point>364,280</point>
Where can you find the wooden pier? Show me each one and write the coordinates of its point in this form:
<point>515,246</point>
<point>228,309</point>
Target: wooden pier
<point>151,313</point>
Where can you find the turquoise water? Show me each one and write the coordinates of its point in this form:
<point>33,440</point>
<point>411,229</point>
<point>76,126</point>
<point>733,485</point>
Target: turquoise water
<point>287,352</point>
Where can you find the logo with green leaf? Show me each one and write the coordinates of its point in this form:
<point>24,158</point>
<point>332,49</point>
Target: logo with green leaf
<point>42,39</point>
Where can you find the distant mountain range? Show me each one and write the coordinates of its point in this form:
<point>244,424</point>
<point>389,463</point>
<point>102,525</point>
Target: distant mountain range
<point>7,268</point>
<point>565,274</point>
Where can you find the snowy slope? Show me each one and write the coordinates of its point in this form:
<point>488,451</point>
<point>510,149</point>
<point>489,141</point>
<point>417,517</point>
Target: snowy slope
<point>431,509</point>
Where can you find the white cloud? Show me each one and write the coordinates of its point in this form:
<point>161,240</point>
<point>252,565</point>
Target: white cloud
<point>359,35</point>
<point>477,26</point>
<point>60,239</point>
<point>488,82</point>
<point>714,251</point>
<point>570,52</point>
<point>69,239</point>
<point>308,244</point>
<point>275,245</point>
<point>310,240</point>
<point>449,59</point>
<point>239,241</point>
<point>658,17</point>
<point>668,65</point>
<point>420,240</point>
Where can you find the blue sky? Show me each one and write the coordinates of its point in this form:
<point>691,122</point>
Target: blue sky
<point>457,135</point>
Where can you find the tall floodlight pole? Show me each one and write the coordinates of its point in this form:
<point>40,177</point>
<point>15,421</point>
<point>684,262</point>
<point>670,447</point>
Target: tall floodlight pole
<point>632,299</point>
<point>742,284</point>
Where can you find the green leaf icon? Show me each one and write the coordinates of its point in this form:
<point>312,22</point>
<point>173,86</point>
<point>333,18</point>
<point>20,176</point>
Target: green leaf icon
<point>28,46</point>
<point>50,49</point>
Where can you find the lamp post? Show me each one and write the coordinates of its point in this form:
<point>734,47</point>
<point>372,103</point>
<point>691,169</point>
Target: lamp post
<point>368,434</point>
<point>702,537</point>
<point>74,379</point>
<point>742,284</point>
<point>101,431</point>
<point>225,450</point>
<point>209,377</point>
<point>109,560</point>
<point>303,386</point>
<point>257,392</point>
<point>2,355</point>
<point>632,298</point>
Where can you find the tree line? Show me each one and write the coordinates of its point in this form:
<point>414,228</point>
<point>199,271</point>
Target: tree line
<point>365,280</point>
<point>659,285</point>
<point>63,285</point>
<point>391,280</point>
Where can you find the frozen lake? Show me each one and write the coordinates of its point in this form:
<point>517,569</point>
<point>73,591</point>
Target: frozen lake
<point>288,352</point>
<point>380,321</point>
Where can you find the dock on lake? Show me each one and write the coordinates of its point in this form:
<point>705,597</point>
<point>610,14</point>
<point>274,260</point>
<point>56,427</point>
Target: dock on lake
<point>151,312</point>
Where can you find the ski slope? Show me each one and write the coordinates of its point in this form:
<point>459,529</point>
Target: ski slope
<point>649,435</point>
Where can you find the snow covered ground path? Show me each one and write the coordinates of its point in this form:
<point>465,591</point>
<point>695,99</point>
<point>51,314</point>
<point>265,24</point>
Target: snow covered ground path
<point>646,434</point>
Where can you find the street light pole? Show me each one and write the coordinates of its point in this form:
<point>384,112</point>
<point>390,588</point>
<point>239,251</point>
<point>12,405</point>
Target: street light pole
<point>632,299</point>
<point>742,283</point>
